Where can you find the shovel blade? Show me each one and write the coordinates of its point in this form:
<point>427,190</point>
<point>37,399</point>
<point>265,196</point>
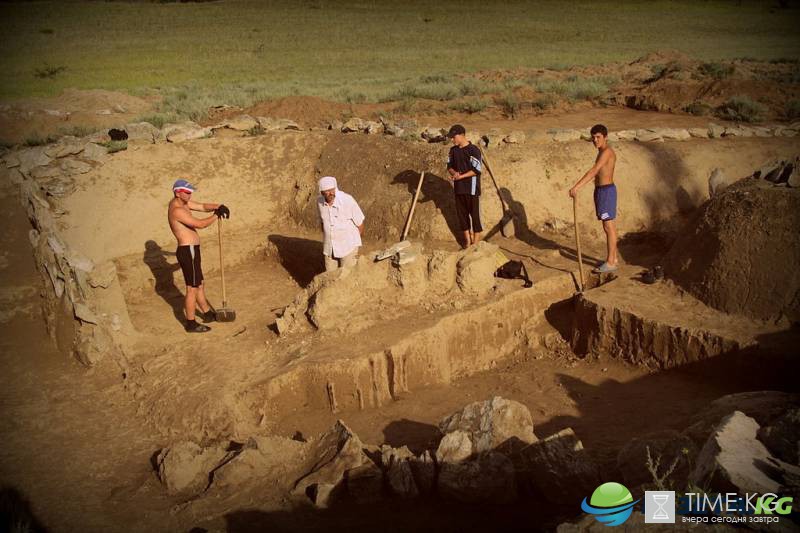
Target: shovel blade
<point>225,315</point>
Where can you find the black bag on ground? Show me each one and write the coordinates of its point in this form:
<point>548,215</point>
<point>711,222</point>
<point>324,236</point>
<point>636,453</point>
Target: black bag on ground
<point>513,269</point>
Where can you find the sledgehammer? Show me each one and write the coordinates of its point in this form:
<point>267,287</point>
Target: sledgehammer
<point>224,314</point>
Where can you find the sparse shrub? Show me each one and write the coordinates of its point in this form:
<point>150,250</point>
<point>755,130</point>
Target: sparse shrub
<point>255,131</point>
<point>586,89</point>
<point>793,109</point>
<point>715,70</point>
<point>663,71</point>
<point>159,119</point>
<point>654,465</point>
<point>509,103</point>
<point>551,86</point>
<point>77,130</point>
<point>48,72</point>
<point>742,109</point>
<point>546,101</point>
<point>405,106</point>
<point>435,78</point>
<point>698,109</point>
<point>577,88</point>
<point>513,83</point>
<point>36,140</point>
<point>351,98</point>
<point>115,146</point>
<point>474,105</point>
<point>476,87</point>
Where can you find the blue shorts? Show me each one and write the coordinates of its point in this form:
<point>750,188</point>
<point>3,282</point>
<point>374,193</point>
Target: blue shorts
<point>605,202</point>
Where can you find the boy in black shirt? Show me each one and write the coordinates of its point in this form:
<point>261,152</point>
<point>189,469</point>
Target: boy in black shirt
<point>464,167</point>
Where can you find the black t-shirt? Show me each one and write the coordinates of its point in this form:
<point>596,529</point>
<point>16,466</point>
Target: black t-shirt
<point>463,160</point>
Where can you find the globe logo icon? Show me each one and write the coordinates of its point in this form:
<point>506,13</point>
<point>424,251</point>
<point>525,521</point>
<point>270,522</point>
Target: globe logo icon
<point>611,504</point>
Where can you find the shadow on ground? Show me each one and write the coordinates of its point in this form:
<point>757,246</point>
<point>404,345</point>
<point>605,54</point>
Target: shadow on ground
<point>612,413</point>
<point>302,258</point>
<point>155,258</point>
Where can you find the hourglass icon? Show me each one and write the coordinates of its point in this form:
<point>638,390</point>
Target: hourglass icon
<point>659,507</point>
<point>660,500</point>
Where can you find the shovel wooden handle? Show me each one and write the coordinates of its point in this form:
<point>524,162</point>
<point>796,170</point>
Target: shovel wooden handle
<point>221,263</point>
<point>494,181</point>
<point>577,238</point>
<point>413,205</point>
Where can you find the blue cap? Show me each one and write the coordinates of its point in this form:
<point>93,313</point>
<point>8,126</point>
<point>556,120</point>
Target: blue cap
<point>182,185</point>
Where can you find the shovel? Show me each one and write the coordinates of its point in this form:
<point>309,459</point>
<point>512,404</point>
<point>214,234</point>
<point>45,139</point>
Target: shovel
<point>223,314</point>
<point>577,240</point>
<point>506,223</point>
<point>403,244</point>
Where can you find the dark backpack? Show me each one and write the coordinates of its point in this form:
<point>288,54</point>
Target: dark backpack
<point>513,269</point>
<point>117,135</point>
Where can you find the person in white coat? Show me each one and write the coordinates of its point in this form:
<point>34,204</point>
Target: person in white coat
<point>342,225</point>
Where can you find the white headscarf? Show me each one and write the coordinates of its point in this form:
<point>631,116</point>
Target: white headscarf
<point>327,183</point>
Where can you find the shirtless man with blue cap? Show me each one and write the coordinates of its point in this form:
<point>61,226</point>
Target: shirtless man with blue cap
<point>184,226</point>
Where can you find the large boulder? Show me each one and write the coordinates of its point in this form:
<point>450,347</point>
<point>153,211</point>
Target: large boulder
<point>269,457</point>
<point>765,407</point>
<point>354,125</point>
<point>717,182</point>
<point>364,484</point>
<point>741,251</point>
<point>184,467</point>
<point>67,145</point>
<point>434,135</point>
<point>329,457</point>
<point>423,468</point>
<point>558,467</point>
<point>476,269</point>
<point>734,460</point>
<point>488,478</point>
<point>239,123</point>
<point>454,447</point>
<point>186,131</point>
<point>489,424</point>
<point>31,158</point>
<point>400,478</point>
<point>142,132</point>
<point>782,437</point>
<point>95,152</point>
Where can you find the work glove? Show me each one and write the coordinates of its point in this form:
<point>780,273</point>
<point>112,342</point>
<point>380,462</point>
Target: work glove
<point>222,211</point>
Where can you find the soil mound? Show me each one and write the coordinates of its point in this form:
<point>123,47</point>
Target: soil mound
<point>740,254</point>
<point>305,110</point>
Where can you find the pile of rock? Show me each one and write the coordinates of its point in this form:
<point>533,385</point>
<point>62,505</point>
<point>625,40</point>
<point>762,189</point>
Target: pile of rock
<point>780,172</point>
<point>745,442</point>
<point>349,299</point>
<point>488,453</point>
<point>45,174</point>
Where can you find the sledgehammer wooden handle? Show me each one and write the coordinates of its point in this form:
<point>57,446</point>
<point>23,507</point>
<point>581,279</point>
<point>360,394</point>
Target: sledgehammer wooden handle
<point>221,263</point>
<point>413,205</point>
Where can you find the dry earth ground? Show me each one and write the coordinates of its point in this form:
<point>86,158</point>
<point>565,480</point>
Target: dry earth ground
<point>90,468</point>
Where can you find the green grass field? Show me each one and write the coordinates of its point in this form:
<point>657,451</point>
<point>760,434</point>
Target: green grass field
<point>250,50</point>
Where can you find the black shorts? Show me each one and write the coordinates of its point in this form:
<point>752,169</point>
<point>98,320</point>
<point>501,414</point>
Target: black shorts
<point>469,207</point>
<point>189,260</point>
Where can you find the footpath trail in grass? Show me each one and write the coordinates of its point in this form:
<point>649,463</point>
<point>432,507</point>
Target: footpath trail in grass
<point>320,47</point>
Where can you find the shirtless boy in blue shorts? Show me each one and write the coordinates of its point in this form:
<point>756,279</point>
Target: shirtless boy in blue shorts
<point>605,193</point>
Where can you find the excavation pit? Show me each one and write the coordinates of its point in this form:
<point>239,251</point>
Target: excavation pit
<point>393,350</point>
